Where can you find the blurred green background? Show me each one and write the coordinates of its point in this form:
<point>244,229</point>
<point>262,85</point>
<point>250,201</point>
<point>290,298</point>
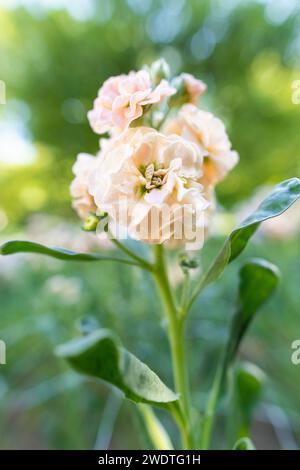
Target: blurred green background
<point>53,57</point>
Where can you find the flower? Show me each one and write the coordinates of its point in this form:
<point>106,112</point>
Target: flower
<point>194,87</point>
<point>83,201</point>
<point>208,132</point>
<point>121,100</point>
<point>147,183</point>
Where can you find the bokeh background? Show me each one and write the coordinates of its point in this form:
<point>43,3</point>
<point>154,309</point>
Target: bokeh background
<point>54,54</point>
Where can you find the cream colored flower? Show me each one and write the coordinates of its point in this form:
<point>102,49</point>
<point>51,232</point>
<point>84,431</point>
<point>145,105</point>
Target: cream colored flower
<point>121,100</point>
<point>83,201</point>
<point>194,87</point>
<point>208,132</point>
<point>147,183</point>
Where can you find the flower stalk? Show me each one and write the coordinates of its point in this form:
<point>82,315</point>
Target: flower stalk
<point>176,333</point>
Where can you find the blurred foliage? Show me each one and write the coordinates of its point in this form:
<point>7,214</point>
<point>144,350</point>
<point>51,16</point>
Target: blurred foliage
<point>46,405</point>
<point>53,64</point>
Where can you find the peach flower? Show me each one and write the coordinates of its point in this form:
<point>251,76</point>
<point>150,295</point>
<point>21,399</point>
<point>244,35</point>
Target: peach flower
<point>209,134</point>
<point>121,100</point>
<point>147,183</point>
<point>194,87</point>
<point>83,201</point>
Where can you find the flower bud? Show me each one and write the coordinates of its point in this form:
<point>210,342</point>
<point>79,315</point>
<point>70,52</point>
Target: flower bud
<point>188,89</point>
<point>186,262</point>
<point>181,96</point>
<point>159,70</point>
<point>90,223</point>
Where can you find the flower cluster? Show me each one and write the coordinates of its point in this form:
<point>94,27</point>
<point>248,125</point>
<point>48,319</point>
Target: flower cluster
<point>153,177</point>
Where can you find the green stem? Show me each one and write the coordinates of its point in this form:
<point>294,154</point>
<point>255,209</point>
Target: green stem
<point>164,119</point>
<point>176,330</point>
<point>211,409</point>
<point>210,412</point>
<point>140,261</point>
<point>220,375</point>
<point>185,295</point>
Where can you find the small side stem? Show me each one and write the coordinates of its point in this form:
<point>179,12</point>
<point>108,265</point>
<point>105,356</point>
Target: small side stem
<point>141,261</point>
<point>167,113</point>
<point>211,409</point>
<point>176,329</point>
<point>215,391</point>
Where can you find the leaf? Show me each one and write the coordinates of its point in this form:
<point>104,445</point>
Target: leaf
<point>278,201</point>
<point>249,382</point>
<point>100,355</point>
<point>258,280</point>
<point>23,246</point>
<point>244,444</point>
<point>246,388</point>
<point>154,431</point>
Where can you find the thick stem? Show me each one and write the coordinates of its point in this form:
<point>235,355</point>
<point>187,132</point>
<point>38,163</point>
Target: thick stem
<point>176,330</point>
<point>185,295</point>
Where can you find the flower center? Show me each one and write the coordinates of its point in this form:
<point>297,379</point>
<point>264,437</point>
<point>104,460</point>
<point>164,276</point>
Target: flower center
<point>155,176</point>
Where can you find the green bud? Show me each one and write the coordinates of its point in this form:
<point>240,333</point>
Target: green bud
<point>186,262</point>
<point>90,223</point>
<point>181,96</point>
<point>159,70</point>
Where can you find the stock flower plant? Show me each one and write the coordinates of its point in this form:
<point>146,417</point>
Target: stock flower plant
<point>153,180</point>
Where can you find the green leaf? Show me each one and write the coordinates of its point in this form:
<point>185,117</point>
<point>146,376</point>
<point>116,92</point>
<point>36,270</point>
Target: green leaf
<point>154,431</point>
<point>100,355</point>
<point>278,201</point>
<point>249,382</point>
<point>246,388</point>
<point>244,444</point>
<point>258,280</point>
<point>23,246</point>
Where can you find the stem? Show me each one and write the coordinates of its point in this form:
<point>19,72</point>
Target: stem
<point>210,413</point>
<point>155,431</point>
<point>176,329</point>
<point>211,410</point>
<point>140,261</point>
<point>220,375</point>
<point>185,295</point>
<point>164,119</point>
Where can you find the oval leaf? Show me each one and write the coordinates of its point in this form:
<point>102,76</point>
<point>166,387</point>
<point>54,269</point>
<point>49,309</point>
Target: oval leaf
<point>258,280</point>
<point>246,386</point>
<point>100,355</point>
<point>249,382</point>
<point>278,201</point>
<point>244,444</point>
<point>153,429</point>
<point>23,246</point>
